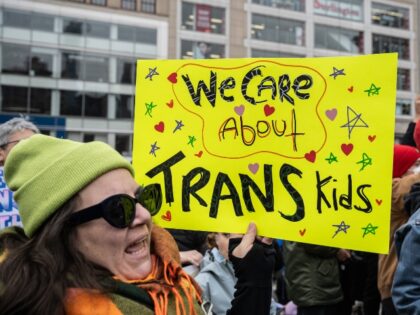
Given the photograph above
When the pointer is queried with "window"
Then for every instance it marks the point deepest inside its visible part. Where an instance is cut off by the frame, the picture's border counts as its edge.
(203, 18)
(41, 63)
(40, 101)
(14, 99)
(42, 22)
(403, 79)
(97, 29)
(125, 71)
(341, 9)
(145, 35)
(28, 20)
(71, 65)
(201, 50)
(15, 59)
(96, 68)
(96, 104)
(277, 30)
(390, 16)
(334, 38)
(384, 44)
(137, 34)
(148, 6)
(257, 53)
(295, 5)
(128, 4)
(403, 107)
(123, 144)
(16, 19)
(71, 103)
(73, 26)
(125, 104)
(99, 2)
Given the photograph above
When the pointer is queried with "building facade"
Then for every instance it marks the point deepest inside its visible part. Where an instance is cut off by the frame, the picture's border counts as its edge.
(70, 65)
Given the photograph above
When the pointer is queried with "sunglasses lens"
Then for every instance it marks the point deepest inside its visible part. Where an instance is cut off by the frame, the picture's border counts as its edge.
(150, 197)
(120, 211)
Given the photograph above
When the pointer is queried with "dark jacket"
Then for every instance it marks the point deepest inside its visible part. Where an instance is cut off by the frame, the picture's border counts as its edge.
(312, 274)
(406, 286)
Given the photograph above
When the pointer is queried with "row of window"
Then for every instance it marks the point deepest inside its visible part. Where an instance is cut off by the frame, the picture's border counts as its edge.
(146, 6)
(36, 61)
(73, 26)
(210, 19)
(381, 14)
(29, 100)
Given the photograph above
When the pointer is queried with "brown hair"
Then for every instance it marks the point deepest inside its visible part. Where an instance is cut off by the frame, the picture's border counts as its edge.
(37, 271)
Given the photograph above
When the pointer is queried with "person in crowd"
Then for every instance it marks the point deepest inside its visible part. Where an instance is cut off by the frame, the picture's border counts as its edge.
(11, 132)
(192, 246)
(405, 173)
(411, 133)
(312, 277)
(88, 245)
(406, 285)
(216, 276)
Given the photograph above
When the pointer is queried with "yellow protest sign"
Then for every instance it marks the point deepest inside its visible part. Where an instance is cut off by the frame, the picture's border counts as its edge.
(302, 147)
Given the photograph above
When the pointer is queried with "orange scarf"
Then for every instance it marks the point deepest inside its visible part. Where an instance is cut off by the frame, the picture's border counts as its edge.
(167, 277)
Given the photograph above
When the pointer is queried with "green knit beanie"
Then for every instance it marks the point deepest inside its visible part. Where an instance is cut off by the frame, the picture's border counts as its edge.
(45, 172)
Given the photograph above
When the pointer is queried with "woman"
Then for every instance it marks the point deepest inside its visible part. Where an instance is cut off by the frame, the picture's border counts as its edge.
(89, 246)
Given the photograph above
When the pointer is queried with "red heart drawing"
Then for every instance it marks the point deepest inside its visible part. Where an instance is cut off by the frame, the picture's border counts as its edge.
(302, 232)
(350, 89)
(268, 110)
(167, 216)
(379, 201)
(199, 154)
(372, 138)
(160, 126)
(170, 104)
(347, 148)
(311, 156)
(173, 77)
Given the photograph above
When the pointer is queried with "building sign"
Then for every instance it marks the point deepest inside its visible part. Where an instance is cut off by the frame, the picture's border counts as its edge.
(339, 9)
(302, 147)
(203, 16)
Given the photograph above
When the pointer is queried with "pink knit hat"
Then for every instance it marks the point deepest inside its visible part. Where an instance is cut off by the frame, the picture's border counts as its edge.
(404, 157)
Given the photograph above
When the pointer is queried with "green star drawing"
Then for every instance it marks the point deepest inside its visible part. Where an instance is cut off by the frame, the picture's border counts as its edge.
(373, 90)
(365, 161)
(369, 229)
(149, 108)
(331, 158)
(191, 140)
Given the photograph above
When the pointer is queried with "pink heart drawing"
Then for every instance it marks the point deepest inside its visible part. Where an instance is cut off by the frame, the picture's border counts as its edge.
(253, 167)
(239, 109)
(331, 113)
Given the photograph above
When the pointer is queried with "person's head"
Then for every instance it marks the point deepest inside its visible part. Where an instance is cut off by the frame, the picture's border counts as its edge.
(11, 132)
(104, 220)
(406, 160)
(219, 241)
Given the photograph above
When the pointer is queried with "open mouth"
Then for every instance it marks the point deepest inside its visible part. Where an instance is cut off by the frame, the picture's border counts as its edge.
(137, 246)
